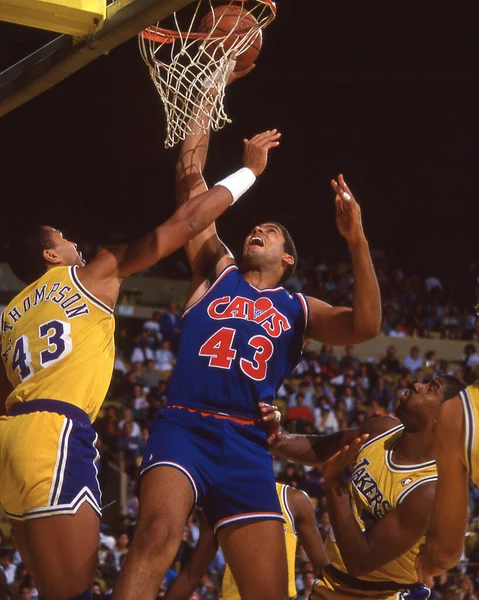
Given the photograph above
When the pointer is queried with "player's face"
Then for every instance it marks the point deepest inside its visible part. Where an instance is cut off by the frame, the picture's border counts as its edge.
(66, 250)
(421, 402)
(264, 246)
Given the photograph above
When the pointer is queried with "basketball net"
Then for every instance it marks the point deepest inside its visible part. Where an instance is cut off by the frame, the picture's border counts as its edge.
(190, 69)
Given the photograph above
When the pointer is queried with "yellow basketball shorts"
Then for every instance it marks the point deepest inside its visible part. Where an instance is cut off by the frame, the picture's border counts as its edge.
(47, 460)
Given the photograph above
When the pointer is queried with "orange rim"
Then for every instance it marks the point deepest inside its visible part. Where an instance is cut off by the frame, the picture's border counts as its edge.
(168, 36)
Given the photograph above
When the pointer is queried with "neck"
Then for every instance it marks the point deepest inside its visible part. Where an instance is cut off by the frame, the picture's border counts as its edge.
(414, 447)
(261, 279)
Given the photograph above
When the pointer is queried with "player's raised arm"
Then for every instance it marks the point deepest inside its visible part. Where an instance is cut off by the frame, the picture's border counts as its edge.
(104, 274)
(447, 530)
(206, 253)
(339, 325)
(316, 449)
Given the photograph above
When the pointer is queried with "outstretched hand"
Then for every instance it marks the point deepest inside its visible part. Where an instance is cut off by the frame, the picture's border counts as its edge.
(256, 150)
(348, 212)
(335, 466)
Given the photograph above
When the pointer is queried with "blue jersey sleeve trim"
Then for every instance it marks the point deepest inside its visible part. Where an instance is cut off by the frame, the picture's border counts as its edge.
(224, 272)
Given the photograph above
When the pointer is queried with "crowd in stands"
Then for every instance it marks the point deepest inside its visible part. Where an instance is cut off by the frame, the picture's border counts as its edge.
(413, 305)
(324, 394)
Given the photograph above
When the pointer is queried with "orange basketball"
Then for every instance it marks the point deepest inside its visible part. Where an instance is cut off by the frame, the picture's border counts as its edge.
(233, 19)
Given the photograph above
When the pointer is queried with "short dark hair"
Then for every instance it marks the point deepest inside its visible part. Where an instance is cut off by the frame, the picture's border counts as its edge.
(26, 252)
(289, 248)
(453, 386)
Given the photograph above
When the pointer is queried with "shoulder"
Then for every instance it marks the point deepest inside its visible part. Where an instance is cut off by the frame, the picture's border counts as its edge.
(378, 425)
(419, 496)
(299, 502)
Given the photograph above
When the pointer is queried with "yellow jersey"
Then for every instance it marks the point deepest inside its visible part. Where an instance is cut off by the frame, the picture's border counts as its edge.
(470, 404)
(57, 342)
(229, 589)
(377, 486)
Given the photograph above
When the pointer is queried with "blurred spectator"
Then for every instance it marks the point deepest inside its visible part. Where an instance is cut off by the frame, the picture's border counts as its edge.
(324, 526)
(432, 283)
(413, 361)
(127, 417)
(138, 402)
(390, 361)
(165, 358)
(143, 350)
(307, 589)
(300, 415)
(132, 447)
(152, 327)
(7, 565)
(304, 389)
(170, 324)
(151, 376)
(325, 421)
(349, 361)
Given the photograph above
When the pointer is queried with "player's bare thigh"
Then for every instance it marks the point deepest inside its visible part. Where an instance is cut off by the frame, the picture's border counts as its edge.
(256, 554)
(57, 545)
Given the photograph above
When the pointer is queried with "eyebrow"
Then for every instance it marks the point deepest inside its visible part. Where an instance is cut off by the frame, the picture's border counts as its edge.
(271, 226)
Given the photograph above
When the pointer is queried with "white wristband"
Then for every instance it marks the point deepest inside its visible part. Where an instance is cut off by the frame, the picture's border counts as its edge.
(238, 183)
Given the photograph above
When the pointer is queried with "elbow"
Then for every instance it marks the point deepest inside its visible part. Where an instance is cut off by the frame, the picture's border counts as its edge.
(447, 555)
(366, 332)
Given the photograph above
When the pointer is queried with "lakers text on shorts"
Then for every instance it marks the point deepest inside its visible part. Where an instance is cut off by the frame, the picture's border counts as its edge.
(47, 460)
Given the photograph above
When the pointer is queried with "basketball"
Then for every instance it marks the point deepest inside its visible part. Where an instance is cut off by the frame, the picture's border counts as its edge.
(233, 19)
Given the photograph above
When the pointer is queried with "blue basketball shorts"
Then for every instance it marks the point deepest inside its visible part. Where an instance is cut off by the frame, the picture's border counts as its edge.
(227, 462)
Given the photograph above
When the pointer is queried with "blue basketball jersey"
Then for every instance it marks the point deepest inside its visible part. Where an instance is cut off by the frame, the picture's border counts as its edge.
(238, 344)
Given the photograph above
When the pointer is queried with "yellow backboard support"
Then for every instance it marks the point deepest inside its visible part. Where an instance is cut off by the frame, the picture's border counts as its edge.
(65, 55)
(78, 18)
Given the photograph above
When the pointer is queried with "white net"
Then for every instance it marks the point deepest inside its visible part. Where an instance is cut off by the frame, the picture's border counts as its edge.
(190, 67)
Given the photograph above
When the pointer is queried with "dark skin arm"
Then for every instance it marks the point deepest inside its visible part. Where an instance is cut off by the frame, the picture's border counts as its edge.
(200, 559)
(305, 524)
(342, 326)
(104, 275)
(394, 534)
(447, 530)
(315, 449)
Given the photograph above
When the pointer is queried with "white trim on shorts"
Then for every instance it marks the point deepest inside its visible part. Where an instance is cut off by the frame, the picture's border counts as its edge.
(166, 463)
(84, 495)
(263, 516)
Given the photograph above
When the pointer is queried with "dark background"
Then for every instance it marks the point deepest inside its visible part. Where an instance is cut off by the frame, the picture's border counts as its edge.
(389, 97)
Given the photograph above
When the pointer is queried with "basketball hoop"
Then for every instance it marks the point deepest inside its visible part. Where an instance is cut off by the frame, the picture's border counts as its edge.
(190, 68)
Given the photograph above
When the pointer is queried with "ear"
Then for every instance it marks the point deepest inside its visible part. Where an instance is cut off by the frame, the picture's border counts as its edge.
(51, 256)
(288, 259)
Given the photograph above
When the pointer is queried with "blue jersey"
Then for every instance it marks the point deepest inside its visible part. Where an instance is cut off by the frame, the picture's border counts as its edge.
(238, 344)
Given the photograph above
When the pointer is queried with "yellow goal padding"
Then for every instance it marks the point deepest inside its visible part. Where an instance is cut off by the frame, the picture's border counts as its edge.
(79, 18)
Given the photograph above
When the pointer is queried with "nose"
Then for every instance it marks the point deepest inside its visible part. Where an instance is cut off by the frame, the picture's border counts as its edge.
(417, 387)
(258, 229)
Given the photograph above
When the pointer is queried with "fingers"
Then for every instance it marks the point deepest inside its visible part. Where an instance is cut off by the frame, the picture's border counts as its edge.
(354, 447)
(266, 137)
(269, 412)
(342, 190)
